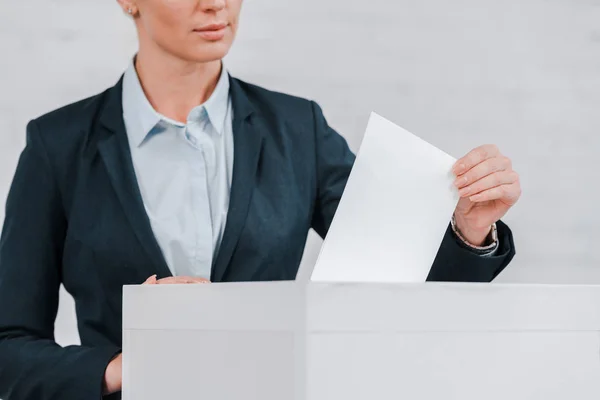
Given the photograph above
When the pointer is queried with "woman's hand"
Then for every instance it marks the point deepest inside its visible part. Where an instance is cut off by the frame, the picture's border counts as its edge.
(174, 280)
(113, 376)
(488, 188)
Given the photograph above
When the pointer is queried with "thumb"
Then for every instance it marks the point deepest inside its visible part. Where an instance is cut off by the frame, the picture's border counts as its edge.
(150, 281)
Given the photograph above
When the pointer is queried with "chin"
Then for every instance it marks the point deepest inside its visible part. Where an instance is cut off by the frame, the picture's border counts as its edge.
(209, 52)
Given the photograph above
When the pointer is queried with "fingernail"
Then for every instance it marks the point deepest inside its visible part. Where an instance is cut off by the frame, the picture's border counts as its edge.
(475, 197)
(462, 181)
(464, 191)
(458, 168)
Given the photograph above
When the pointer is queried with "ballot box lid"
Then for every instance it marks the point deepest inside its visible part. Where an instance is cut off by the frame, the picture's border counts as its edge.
(363, 307)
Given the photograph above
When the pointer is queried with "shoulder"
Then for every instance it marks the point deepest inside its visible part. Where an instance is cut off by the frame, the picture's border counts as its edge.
(63, 131)
(70, 118)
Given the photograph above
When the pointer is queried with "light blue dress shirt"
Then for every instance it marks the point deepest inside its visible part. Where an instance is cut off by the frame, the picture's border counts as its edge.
(184, 173)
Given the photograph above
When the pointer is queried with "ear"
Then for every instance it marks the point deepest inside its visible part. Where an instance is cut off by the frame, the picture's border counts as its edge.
(128, 6)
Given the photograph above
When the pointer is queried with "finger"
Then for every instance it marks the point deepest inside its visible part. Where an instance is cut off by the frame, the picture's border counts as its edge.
(150, 281)
(489, 182)
(169, 280)
(173, 280)
(193, 279)
(482, 170)
(475, 157)
(508, 193)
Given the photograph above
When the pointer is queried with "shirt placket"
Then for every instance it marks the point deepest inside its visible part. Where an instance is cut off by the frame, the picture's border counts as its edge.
(203, 252)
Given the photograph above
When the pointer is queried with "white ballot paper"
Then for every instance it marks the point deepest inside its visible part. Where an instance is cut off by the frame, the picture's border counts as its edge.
(394, 211)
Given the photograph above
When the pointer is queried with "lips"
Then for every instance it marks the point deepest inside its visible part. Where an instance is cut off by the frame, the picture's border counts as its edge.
(212, 32)
(211, 28)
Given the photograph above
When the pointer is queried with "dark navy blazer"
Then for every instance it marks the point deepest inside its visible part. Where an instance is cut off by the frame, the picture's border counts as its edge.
(74, 215)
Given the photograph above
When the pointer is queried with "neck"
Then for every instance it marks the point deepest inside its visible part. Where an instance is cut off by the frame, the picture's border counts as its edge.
(174, 86)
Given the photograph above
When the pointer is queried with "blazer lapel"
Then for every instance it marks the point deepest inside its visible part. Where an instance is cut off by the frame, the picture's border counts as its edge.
(114, 150)
(248, 129)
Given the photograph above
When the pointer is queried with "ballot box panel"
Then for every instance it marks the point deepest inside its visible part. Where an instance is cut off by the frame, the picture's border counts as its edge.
(216, 365)
(454, 366)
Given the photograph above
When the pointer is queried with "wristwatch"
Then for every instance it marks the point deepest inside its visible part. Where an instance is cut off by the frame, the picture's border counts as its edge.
(493, 238)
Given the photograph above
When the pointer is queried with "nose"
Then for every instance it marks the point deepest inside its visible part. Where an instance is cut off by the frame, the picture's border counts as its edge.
(213, 5)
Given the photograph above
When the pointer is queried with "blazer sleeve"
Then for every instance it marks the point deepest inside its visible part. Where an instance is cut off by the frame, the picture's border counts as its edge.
(456, 263)
(33, 366)
(334, 161)
(453, 262)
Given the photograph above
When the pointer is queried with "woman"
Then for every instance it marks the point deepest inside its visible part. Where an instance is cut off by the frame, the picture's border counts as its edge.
(183, 174)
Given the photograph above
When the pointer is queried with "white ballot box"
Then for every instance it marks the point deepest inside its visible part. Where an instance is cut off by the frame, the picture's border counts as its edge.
(319, 341)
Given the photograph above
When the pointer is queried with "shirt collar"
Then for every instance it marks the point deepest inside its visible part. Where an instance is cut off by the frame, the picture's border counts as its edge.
(141, 117)
(217, 104)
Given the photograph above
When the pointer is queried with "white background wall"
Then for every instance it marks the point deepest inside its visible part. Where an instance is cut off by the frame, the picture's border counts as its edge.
(524, 74)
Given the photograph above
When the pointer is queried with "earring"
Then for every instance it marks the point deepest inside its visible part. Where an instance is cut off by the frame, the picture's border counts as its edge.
(130, 11)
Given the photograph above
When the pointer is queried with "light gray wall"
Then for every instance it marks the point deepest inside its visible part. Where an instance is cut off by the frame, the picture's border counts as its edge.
(524, 74)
